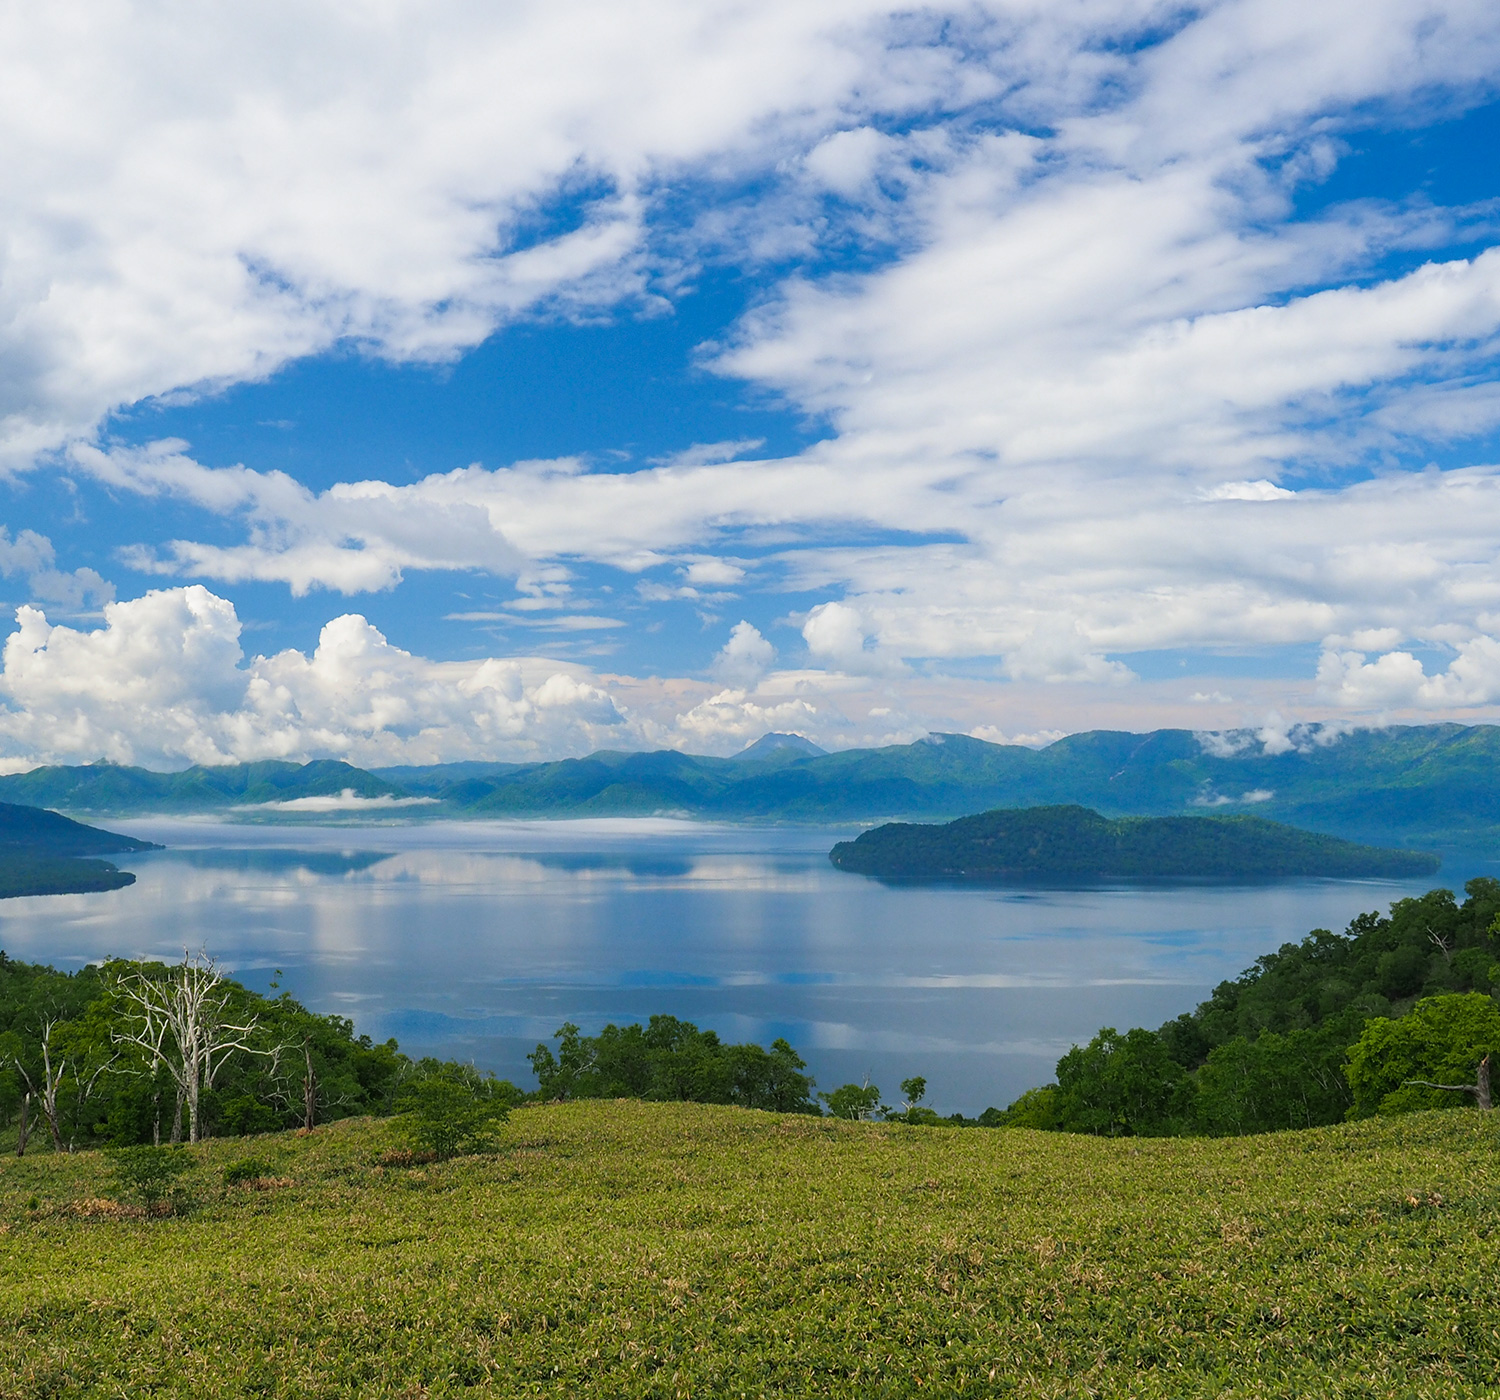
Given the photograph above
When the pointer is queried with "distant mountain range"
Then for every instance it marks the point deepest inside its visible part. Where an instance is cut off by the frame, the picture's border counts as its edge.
(1426, 785)
(1075, 845)
(44, 853)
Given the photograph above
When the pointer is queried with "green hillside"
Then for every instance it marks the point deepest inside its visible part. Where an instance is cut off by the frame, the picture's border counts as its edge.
(617, 1249)
(1424, 784)
(1074, 843)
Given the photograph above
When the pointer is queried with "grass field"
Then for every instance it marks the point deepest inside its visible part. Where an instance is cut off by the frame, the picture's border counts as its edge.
(629, 1249)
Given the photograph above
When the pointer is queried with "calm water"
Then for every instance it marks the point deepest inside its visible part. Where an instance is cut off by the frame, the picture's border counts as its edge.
(479, 939)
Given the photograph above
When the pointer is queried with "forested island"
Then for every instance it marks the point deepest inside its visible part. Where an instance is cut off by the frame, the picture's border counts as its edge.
(42, 852)
(1072, 843)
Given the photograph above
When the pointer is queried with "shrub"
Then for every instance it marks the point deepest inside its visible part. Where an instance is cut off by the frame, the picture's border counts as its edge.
(150, 1175)
(246, 1169)
(450, 1115)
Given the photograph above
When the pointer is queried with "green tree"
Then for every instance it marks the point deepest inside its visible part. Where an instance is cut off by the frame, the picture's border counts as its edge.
(855, 1102)
(1036, 1108)
(1120, 1085)
(1400, 1066)
(670, 1060)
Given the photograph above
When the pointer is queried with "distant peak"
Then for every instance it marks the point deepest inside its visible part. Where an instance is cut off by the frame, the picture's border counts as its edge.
(779, 743)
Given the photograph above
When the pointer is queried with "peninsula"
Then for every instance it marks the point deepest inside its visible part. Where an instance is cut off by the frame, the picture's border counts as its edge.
(42, 852)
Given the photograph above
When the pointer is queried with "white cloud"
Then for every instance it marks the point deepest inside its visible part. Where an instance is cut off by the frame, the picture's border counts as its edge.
(847, 161)
(745, 657)
(346, 801)
(725, 722)
(191, 199)
(1261, 490)
(835, 632)
(32, 556)
(1398, 680)
(992, 735)
(839, 636)
(1098, 393)
(165, 681)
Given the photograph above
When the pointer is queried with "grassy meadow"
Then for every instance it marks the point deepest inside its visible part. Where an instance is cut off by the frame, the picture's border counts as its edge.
(632, 1249)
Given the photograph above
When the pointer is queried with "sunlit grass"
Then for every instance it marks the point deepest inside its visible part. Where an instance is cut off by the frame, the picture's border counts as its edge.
(623, 1249)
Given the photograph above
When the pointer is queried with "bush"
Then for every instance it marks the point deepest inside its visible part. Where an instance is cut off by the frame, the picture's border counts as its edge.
(247, 1169)
(150, 1175)
(450, 1116)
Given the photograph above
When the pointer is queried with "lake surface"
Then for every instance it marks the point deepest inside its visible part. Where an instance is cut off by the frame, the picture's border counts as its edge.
(477, 939)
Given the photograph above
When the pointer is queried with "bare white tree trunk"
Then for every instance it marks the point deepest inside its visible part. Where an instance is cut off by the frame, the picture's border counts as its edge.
(180, 1022)
(46, 1091)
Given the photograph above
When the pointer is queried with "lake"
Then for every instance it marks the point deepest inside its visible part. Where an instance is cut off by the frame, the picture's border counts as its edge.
(477, 939)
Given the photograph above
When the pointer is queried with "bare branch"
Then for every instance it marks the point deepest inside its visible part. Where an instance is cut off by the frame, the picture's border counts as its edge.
(179, 1022)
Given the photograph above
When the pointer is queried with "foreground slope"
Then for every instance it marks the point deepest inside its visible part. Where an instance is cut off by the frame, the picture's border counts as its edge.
(628, 1249)
(1072, 843)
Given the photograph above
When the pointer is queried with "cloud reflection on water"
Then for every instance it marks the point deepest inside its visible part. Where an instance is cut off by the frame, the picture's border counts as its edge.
(481, 939)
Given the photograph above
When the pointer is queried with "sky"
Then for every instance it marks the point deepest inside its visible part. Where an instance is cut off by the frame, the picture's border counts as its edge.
(410, 383)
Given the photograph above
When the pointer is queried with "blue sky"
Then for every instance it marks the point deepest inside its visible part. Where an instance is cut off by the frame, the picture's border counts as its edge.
(435, 382)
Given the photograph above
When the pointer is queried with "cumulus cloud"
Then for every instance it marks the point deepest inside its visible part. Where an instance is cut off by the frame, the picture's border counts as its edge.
(725, 722)
(838, 636)
(745, 657)
(165, 681)
(405, 177)
(32, 556)
(1397, 680)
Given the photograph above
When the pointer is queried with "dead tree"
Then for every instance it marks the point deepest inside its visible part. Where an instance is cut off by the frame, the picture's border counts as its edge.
(309, 1089)
(24, 1135)
(181, 1022)
(45, 1090)
(1480, 1088)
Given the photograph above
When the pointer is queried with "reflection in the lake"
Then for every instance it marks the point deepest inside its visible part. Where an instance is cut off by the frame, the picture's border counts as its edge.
(479, 939)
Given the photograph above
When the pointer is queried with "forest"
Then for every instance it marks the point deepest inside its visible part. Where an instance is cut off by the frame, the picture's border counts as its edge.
(1337, 1026)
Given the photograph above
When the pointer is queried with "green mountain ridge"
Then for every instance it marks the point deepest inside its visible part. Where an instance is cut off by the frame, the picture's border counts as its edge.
(1428, 785)
(1072, 843)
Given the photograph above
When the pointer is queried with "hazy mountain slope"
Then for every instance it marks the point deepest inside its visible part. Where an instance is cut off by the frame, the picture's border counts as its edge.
(109, 787)
(1430, 784)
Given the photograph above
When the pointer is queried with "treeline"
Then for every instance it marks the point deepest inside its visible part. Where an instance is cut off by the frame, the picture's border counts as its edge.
(127, 1053)
(672, 1061)
(1397, 1013)
(1337, 1026)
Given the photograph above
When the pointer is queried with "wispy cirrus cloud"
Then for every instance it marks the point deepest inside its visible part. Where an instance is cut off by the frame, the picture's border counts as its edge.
(1094, 371)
